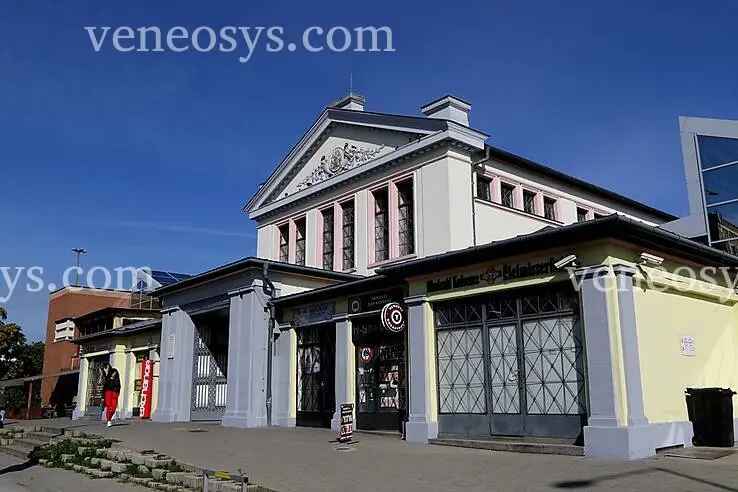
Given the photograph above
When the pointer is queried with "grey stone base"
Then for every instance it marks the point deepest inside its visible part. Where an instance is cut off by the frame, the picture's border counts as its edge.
(637, 441)
(420, 432)
(243, 420)
(77, 414)
(163, 416)
(285, 422)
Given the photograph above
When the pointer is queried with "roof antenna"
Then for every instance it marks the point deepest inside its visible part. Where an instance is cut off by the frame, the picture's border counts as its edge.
(351, 82)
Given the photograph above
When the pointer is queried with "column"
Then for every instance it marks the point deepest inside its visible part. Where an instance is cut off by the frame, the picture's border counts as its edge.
(247, 358)
(609, 327)
(345, 370)
(284, 380)
(118, 359)
(175, 367)
(79, 409)
(126, 399)
(423, 416)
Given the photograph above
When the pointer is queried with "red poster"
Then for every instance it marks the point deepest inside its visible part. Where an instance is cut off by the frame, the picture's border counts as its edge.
(147, 387)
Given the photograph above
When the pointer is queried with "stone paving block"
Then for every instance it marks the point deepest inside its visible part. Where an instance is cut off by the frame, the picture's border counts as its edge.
(104, 464)
(136, 458)
(156, 462)
(117, 467)
(123, 477)
(69, 465)
(67, 457)
(82, 450)
(143, 470)
(77, 468)
(93, 461)
(140, 481)
(159, 474)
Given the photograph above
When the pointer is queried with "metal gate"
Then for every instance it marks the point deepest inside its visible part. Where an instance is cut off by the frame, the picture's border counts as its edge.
(209, 373)
(95, 380)
(316, 352)
(511, 364)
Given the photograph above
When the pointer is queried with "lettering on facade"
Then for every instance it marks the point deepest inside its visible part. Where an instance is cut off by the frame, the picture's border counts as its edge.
(374, 301)
(313, 313)
(493, 275)
(346, 429)
(147, 386)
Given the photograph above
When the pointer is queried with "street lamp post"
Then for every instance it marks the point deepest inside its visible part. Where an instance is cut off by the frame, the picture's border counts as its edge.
(78, 252)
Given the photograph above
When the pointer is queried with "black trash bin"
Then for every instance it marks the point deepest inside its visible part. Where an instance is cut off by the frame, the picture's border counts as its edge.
(711, 412)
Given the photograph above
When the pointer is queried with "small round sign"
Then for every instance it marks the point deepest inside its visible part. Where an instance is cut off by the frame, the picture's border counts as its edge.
(366, 354)
(393, 317)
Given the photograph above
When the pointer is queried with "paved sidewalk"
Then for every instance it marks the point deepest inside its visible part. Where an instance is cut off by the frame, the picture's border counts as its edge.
(304, 460)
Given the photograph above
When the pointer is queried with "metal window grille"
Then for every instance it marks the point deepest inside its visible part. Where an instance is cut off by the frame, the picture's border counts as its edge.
(405, 217)
(483, 188)
(507, 195)
(381, 226)
(328, 239)
(284, 243)
(348, 235)
(529, 202)
(549, 208)
(300, 242)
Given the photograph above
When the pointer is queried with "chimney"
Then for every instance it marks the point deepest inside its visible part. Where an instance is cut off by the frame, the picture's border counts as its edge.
(448, 108)
(352, 101)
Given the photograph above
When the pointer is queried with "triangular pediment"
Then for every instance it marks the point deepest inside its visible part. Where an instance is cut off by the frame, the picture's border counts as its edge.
(336, 145)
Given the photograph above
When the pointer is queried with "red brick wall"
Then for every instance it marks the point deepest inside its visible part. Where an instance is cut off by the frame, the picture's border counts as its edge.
(68, 303)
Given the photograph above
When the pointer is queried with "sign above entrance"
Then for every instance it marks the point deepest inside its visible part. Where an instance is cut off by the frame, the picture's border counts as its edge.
(493, 275)
(374, 301)
(393, 317)
(314, 313)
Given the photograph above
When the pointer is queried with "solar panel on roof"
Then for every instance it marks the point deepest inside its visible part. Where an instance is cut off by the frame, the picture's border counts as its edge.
(166, 278)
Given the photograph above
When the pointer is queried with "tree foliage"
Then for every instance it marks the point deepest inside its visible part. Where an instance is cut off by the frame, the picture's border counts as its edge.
(18, 358)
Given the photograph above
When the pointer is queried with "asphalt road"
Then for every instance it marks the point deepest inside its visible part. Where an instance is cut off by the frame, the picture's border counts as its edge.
(40, 479)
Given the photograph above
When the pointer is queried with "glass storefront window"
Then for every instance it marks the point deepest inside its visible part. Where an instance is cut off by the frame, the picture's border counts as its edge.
(716, 151)
(721, 184)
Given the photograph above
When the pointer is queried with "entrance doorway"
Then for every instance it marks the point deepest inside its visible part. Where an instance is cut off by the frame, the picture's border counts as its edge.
(381, 382)
(210, 365)
(511, 364)
(316, 375)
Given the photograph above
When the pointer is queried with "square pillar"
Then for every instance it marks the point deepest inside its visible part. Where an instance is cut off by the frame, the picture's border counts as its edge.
(81, 406)
(119, 360)
(175, 367)
(617, 427)
(423, 415)
(247, 358)
(345, 370)
(284, 380)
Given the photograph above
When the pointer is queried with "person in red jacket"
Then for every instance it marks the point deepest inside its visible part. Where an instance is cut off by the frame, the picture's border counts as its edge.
(111, 390)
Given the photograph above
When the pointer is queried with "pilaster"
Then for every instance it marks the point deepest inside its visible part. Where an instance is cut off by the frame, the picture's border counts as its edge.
(423, 416)
(345, 369)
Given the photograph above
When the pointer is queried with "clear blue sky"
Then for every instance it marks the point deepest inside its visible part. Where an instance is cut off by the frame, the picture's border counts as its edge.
(146, 159)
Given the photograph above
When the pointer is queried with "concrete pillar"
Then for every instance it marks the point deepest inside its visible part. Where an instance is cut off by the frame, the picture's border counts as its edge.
(118, 360)
(612, 350)
(79, 409)
(423, 415)
(126, 401)
(247, 358)
(345, 370)
(175, 369)
(284, 380)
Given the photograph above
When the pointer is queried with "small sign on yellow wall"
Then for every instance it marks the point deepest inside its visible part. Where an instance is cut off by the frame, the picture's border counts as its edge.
(687, 347)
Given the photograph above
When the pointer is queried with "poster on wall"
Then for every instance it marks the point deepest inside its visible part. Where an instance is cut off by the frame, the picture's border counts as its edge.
(147, 386)
(346, 428)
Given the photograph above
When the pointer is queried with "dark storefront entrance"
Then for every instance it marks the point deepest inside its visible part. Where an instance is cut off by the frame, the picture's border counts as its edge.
(381, 380)
(95, 380)
(316, 374)
(210, 365)
(511, 364)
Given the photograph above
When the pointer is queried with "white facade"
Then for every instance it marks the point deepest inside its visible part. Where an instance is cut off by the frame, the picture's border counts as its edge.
(444, 160)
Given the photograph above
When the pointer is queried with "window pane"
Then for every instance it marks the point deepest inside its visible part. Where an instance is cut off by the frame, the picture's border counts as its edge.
(284, 243)
(300, 242)
(328, 239)
(507, 195)
(483, 188)
(549, 208)
(381, 226)
(405, 218)
(581, 214)
(348, 235)
(723, 221)
(715, 151)
(529, 201)
(721, 184)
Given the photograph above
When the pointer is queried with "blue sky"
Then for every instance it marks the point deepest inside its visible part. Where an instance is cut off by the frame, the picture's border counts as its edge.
(147, 158)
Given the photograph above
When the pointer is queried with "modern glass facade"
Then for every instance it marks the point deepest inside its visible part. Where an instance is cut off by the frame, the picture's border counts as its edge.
(719, 171)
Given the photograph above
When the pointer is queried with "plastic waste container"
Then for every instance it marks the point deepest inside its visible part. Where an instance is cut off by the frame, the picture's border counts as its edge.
(711, 412)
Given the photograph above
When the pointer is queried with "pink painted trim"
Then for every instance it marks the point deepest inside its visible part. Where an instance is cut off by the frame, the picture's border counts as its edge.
(293, 241)
(370, 226)
(338, 237)
(394, 220)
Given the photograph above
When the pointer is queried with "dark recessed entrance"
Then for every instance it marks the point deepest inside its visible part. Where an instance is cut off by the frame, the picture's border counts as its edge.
(381, 382)
(316, 375)
(210, 365)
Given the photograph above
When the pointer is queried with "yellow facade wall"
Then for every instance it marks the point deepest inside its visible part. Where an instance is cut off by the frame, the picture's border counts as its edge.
(663, 318)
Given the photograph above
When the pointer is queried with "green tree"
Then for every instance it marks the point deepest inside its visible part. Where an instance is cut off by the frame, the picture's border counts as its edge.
(18, 359)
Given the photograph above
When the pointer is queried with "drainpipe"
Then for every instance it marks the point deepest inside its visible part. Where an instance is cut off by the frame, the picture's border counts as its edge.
(476, 165)
(268, 288)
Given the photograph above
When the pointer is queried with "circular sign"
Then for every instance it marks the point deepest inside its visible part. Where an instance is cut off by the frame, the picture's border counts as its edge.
(393, 317)
(366, 354)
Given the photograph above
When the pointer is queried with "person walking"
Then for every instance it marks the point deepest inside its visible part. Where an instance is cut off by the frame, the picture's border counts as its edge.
(111, 390)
